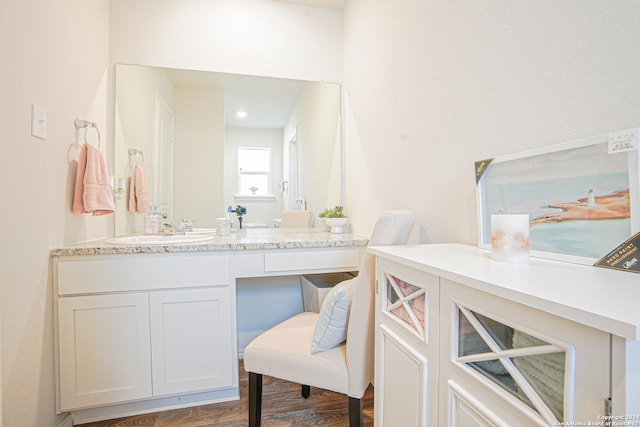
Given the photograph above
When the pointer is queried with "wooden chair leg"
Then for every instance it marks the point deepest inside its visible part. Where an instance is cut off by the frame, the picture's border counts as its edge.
(306, 391)
(355, 412)
(255, 399)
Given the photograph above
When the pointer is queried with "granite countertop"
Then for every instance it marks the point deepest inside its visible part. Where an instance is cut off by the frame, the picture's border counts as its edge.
(252, 239)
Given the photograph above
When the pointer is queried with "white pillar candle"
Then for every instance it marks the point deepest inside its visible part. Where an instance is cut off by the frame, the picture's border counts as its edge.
(510, 237)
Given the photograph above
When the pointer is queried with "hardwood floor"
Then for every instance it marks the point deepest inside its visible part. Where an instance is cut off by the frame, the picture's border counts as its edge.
(282, 406)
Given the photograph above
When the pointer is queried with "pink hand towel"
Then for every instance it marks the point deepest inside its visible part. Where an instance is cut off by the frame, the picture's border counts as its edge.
(139, 191)
(92, 194)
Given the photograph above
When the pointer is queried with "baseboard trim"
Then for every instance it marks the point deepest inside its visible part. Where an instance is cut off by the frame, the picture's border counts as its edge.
(101, 413)
(67, 421)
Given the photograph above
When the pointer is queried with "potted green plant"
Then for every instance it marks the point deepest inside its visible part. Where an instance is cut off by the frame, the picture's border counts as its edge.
(335, 218)
(337, 212)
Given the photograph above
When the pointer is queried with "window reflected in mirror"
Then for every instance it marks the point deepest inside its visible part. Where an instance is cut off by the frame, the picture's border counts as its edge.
(254, 171)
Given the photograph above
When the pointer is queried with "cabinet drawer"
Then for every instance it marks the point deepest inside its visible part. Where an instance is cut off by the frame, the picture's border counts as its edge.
(97, 274)
(311, 260)
(293, 261)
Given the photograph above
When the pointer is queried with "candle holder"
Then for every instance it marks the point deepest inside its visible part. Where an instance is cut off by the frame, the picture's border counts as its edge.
(510, 238)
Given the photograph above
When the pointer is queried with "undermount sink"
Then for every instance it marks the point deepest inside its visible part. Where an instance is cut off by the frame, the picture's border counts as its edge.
(201, 231)
(160, 240)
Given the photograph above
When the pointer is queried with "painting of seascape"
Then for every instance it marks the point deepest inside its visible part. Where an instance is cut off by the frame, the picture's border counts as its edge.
(577, 198)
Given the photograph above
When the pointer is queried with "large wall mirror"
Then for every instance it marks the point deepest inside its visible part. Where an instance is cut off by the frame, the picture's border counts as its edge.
(185, 130)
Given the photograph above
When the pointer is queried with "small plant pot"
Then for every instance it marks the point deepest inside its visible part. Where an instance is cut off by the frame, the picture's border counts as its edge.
(337, 224)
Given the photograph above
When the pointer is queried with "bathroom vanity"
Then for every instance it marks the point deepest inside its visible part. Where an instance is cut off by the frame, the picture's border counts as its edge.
(144, 327)
(464, 340)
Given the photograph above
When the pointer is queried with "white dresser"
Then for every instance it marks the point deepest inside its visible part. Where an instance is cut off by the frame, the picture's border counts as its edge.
(463, 340)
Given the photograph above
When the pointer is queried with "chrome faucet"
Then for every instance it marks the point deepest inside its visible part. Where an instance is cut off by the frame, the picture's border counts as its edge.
(184, 226)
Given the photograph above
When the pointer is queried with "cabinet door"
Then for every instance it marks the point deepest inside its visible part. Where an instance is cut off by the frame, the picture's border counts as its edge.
(503, 363)
(104, 349)
(401, 383)
(406, 346)
(192, 340)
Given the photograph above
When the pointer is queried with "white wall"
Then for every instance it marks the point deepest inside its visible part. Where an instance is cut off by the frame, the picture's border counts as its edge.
(54, 54)
(265, 38)
(199, 152)
(431, 86)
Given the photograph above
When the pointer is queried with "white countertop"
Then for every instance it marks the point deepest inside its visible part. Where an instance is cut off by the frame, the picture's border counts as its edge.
(605, 299)
(253, 239)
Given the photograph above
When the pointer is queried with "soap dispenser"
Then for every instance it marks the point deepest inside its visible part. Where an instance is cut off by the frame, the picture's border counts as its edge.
(152, 221)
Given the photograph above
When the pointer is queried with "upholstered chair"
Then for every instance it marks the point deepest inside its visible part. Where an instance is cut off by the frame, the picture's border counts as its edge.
(310, 348)
(296, 219)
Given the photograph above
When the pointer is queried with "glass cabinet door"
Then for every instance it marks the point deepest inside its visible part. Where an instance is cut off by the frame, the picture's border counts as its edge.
(527, 367)
(405, 303)
(511, 364)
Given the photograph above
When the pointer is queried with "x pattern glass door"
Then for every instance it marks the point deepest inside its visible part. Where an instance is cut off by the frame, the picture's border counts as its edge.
(406, 303)
(529, 368)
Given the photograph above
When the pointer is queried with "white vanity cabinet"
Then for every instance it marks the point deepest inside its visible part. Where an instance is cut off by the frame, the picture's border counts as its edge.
(141, 327)
(463, 340)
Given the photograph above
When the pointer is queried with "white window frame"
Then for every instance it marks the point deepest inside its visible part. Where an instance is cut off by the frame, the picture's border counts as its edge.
(269, 174)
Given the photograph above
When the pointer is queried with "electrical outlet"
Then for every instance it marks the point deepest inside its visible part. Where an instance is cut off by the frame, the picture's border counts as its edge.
(38, 121)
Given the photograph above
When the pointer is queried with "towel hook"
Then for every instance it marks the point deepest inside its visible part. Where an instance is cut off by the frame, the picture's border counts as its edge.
(136, 153)
(79, 124)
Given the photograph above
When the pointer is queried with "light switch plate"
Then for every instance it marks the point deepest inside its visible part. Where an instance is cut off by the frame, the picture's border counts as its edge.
(38, 121)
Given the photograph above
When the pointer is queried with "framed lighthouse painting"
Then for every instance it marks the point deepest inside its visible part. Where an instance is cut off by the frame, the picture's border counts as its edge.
(581, 196)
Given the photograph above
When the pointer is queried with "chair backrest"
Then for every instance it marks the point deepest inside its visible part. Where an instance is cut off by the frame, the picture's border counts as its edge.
(391, 228)
(296, 219)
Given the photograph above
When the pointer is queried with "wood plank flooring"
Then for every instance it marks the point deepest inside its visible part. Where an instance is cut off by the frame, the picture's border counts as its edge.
(282, 406)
